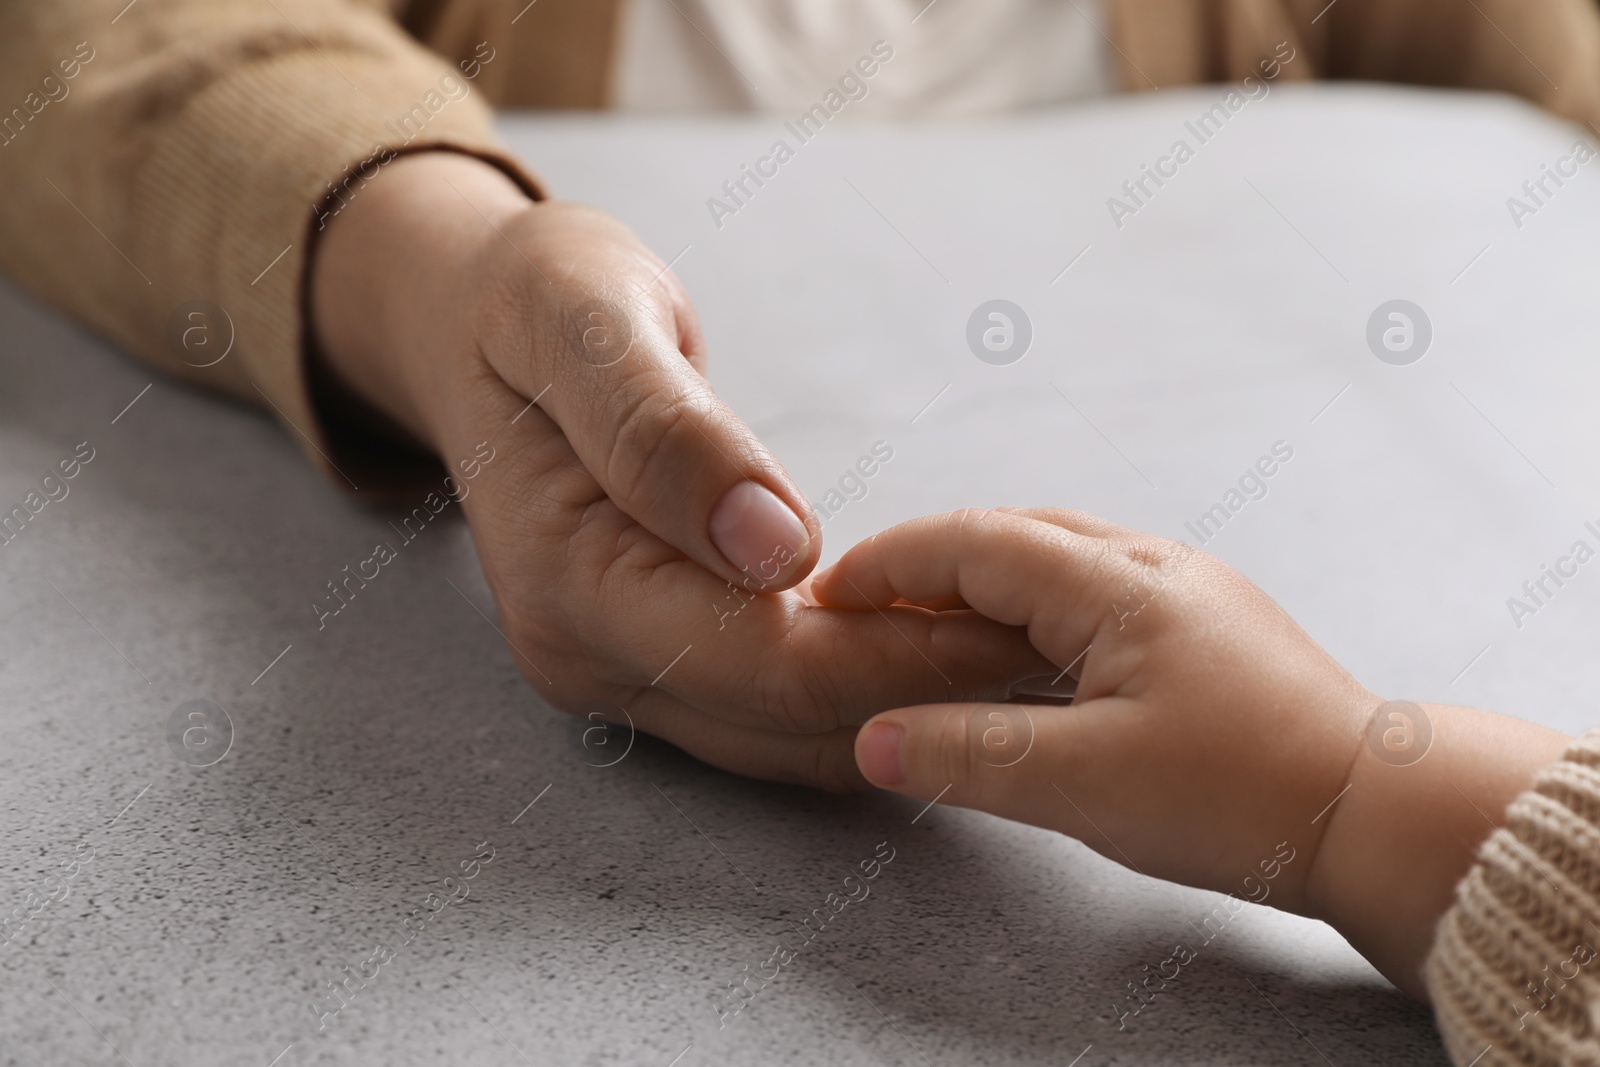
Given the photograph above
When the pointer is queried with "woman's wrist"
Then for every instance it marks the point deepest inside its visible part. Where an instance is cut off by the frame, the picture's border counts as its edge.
(393, 274)
(1408, 826)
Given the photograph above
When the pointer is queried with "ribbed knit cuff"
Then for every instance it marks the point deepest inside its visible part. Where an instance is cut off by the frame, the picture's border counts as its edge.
(1515, 967)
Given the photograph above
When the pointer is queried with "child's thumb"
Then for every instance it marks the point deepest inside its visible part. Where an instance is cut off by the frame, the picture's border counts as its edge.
(969, 755)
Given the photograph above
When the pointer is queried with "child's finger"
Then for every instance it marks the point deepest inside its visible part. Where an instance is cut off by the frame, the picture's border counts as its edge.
(1010, 567)
(943, 603)
(999, 758)
(1081, 522)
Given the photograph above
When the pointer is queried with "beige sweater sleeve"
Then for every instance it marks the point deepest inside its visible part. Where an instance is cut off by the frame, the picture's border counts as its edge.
(1515, 967)
(161, 153)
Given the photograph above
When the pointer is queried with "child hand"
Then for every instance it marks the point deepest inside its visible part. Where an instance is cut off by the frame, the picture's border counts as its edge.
(1206, 728)
(1209, 738)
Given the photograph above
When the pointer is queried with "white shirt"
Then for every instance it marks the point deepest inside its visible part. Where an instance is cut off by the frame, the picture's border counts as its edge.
(950, 57)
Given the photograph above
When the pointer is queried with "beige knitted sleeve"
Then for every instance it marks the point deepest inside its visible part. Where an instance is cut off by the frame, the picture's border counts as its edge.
(1515, 967)
(163, 162)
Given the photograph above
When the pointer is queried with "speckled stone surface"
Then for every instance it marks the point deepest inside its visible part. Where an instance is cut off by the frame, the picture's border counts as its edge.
(376, 756)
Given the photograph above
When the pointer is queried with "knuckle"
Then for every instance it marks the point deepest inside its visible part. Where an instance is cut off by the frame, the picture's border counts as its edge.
(1154, 564)
(599, 331)
(651, 433)
(1084, 523)
(957, 760)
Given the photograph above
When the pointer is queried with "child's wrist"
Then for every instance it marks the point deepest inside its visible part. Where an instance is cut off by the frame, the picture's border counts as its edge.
(1408, 827)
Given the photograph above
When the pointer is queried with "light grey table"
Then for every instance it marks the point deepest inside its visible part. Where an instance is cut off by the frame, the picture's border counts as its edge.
(367, 761)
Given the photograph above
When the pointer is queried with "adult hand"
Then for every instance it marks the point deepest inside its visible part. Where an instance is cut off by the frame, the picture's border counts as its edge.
(636, 535)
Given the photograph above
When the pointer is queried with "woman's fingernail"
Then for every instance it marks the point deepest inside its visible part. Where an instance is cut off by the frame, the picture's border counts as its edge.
(758, 534)
(878, 754)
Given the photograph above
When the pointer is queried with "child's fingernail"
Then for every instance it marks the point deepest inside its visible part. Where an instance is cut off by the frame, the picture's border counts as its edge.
(822, 576)
(757, 533)
(878, 754)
